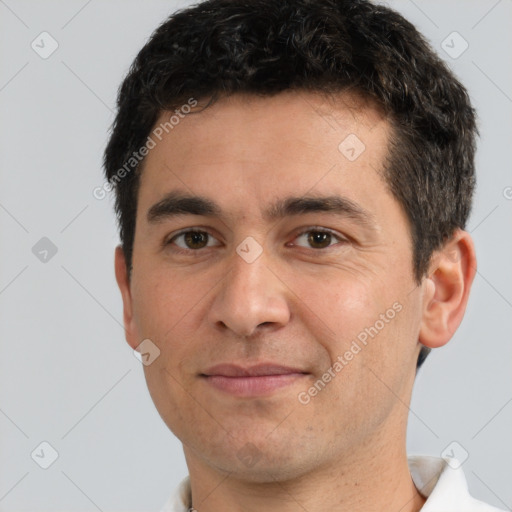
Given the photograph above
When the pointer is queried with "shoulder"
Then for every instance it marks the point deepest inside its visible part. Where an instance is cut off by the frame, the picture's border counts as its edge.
(181, 499)
(443, 483)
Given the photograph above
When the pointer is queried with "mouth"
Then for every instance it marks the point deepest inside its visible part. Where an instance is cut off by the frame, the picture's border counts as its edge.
(258, 380)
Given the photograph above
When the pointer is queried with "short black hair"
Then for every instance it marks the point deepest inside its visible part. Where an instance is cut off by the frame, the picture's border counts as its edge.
(217, 48)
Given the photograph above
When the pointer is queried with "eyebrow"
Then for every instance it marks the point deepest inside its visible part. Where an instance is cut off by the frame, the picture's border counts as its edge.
(176, 203)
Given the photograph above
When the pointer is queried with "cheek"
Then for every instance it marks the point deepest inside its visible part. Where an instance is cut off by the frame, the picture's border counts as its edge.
(162, 301)
(343, 306)
(369, 323)
(169, 395)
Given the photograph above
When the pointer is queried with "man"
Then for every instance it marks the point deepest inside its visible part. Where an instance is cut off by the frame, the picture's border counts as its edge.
(292, 184)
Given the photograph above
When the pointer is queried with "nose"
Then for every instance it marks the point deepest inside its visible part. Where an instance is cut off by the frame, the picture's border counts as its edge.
(250, 296)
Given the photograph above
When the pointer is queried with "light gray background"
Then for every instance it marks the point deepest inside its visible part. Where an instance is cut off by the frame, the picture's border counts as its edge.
(67, 375)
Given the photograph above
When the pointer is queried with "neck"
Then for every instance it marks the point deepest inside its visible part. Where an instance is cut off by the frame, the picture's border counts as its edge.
(372, 479)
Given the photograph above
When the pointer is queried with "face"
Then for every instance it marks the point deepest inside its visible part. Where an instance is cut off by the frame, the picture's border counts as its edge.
(287, 323)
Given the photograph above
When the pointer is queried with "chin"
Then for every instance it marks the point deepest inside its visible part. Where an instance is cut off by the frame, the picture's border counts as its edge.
(261, 461)
(263, 471)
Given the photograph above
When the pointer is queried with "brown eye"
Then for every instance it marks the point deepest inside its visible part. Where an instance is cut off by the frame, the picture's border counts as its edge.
(319, 239)
(191, 240)
(195, 239)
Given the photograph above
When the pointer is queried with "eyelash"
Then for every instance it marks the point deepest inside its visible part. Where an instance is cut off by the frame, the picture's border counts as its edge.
(311, 229)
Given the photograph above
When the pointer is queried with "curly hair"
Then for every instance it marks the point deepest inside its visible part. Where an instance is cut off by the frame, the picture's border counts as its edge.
(218, 48)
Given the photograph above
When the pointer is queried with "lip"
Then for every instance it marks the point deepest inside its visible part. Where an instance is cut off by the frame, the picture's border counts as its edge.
(257, 370)
(257, 380)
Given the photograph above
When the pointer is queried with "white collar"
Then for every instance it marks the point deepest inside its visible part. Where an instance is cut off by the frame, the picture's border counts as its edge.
(436, 479)
(443, 483)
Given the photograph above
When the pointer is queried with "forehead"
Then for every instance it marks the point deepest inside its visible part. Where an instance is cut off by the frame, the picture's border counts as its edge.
(262, 147)
(252, 119)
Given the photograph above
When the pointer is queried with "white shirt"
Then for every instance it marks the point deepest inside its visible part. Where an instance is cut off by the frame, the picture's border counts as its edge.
(444, 487)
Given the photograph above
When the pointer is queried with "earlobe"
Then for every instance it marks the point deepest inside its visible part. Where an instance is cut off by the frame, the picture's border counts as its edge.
(446, 290)
(123, 282)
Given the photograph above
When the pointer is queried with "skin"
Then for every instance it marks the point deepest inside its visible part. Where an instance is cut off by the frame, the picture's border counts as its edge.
(297, 304)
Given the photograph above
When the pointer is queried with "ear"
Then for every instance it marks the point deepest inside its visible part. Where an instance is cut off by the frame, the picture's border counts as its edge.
(446, 289)
(123, 282)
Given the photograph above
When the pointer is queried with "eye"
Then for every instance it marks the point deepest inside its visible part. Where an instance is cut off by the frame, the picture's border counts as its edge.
(191, 240)
(319, 238)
